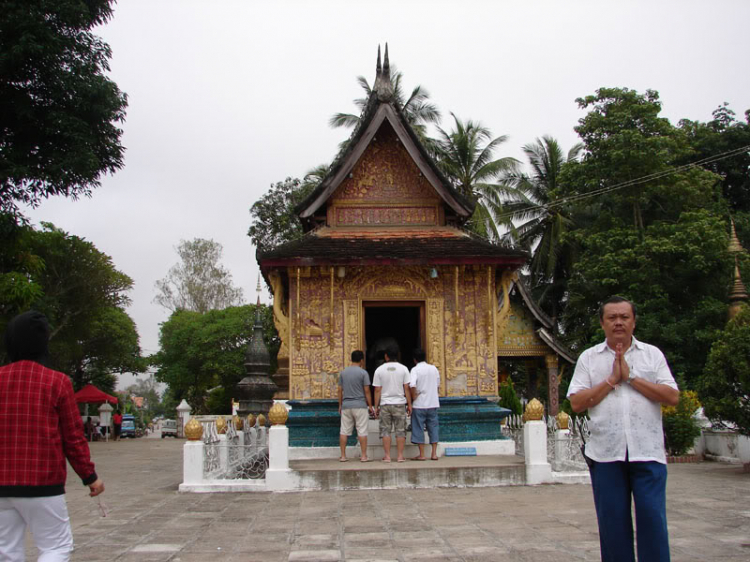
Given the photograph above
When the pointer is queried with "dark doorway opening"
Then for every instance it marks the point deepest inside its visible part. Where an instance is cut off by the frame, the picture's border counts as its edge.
(385, 322)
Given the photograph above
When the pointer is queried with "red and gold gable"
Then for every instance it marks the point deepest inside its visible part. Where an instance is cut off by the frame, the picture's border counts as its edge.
(385, 188)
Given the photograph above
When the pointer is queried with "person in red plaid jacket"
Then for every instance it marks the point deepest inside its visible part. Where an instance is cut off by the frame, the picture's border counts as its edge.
(40, 427)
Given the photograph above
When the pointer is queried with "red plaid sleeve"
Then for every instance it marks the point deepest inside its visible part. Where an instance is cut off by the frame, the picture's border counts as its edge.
(74, 441)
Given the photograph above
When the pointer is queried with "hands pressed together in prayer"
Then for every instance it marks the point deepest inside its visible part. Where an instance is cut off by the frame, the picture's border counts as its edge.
(620, 368)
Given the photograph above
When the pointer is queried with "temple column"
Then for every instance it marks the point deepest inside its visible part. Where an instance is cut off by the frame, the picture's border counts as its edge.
(553, 382)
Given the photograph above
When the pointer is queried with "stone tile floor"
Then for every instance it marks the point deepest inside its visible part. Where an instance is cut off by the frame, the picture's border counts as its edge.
(148, 520)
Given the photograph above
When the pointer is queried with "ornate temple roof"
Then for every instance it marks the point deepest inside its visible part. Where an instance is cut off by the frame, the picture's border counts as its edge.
(381, 107)
(392, 246)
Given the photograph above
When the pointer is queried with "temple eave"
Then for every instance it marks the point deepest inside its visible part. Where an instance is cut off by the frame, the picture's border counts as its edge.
(427, 261)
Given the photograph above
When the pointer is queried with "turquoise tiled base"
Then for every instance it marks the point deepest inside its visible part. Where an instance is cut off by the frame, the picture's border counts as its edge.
(316, 423)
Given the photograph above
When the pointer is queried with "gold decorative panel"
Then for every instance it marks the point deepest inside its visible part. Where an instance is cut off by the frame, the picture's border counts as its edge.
(516, 335)
(326, 323)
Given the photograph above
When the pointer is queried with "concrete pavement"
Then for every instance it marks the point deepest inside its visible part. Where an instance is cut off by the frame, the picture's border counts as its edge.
(148, 520)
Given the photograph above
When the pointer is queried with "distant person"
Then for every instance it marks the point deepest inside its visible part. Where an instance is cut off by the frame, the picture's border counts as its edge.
(392, 402)
(35, 446)
(424, 384)
(623, 382)
(117, 422)
(89, 428)
(354, 404)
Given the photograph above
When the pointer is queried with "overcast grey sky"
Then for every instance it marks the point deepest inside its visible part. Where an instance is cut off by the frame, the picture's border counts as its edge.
(229, 96)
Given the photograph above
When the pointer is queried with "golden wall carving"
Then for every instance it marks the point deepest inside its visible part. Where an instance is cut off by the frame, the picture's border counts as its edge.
(458, 338)
(516, 335)
(385, 173)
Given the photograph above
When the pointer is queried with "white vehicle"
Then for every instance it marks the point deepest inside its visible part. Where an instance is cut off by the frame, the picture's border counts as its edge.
(168, 427)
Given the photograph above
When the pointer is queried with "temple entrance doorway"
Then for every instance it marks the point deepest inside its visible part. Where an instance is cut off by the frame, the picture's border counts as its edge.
(385, 321)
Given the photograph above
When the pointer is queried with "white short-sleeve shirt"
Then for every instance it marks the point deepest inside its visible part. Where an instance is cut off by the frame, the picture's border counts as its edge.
(625, 422)
(391, 377)
(426, 379)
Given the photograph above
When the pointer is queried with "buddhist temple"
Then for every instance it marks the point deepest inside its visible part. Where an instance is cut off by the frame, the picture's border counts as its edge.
(385, 257)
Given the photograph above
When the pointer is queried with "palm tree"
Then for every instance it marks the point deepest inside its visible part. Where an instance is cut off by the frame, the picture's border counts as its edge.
(465, 155)
(417, 110)
(538, 219)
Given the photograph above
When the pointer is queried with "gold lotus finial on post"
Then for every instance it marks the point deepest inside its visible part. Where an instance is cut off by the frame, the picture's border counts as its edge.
(221, 425)
(278, 414)
(563, 420)
(534, 410)
(261, 420)
(193, 430)
(250, 420)
(237, 421)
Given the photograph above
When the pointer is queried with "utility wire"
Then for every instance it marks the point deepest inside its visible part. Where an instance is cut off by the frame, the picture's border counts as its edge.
(636, 181)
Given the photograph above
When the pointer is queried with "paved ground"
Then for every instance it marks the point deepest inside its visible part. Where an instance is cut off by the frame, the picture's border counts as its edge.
(709, 518)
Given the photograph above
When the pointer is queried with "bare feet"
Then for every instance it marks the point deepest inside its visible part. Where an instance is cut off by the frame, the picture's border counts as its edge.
(387, 459)
(434, 459)
(364, 459)
(342, 459)
(400, 460)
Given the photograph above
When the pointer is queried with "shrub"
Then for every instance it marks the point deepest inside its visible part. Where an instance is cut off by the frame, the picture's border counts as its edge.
(724, 385)
(508, 398)
(680, 427)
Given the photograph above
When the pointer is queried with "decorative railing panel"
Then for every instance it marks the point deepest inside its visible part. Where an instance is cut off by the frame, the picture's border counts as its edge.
(238, 456)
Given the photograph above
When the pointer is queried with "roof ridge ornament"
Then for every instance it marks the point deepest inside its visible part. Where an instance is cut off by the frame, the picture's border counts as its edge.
(383, 86)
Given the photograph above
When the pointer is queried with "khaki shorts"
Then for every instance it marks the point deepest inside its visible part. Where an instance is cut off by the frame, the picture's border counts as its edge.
(393, 418)
(354, 416)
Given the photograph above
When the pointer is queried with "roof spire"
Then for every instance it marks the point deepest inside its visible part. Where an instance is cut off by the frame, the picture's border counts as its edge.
(734, 242)
(383, 87)
(738, 296)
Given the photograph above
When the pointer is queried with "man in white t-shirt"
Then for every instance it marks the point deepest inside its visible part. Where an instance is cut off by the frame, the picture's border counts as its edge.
(424, 383)
(392, 402)
(623, 382)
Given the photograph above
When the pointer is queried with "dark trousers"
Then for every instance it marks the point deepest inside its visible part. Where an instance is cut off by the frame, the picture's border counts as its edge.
(614, 484)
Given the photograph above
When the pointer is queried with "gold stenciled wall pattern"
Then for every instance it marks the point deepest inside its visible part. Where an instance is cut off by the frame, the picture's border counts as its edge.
(327, 322)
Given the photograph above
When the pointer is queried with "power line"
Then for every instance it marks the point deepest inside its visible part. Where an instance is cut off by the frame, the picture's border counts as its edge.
(636, 181)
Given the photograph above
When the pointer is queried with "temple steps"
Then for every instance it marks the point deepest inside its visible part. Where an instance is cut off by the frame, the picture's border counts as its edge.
(478, 471)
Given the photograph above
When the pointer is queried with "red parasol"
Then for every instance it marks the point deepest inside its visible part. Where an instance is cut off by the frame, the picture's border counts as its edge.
(89, 394)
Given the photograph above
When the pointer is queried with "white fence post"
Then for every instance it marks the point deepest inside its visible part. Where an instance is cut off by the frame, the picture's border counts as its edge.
(278, 475)
(538, 470)
(192, 466)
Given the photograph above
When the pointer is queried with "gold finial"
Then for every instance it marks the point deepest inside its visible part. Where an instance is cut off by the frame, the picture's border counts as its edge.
(534, 410)
(261, 420)
(278, 414)
(237, 421)
(221, 425)
(193, 430)
(734, 243)
(250, 420)
(563, 420)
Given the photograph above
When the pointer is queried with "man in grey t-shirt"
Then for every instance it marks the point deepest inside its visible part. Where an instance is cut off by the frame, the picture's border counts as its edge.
(354, 403)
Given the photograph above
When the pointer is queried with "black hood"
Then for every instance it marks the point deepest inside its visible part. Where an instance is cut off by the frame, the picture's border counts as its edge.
(27, 337)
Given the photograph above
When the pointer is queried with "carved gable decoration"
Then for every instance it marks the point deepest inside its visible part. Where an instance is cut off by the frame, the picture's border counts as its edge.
(516, 335)
(385, 188)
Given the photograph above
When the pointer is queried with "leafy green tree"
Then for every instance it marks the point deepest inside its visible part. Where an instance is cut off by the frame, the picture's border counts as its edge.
(538, 219)
(83, 295)
(200, 352)
(724, 135)
(681, 429)
(19, 268)
(465, 155)
(198, 282)
(59, 124)
(274, 219)
(659, 236)
(724, 387)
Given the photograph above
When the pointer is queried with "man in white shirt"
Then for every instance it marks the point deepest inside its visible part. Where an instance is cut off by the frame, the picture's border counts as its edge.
(424, 383)
(622, 382)
(392, 402)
